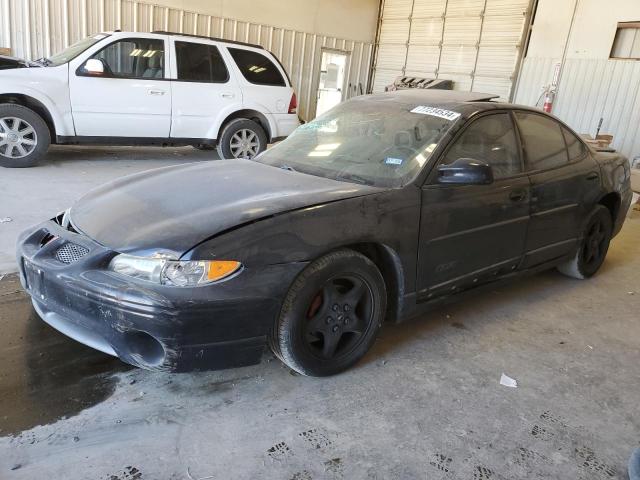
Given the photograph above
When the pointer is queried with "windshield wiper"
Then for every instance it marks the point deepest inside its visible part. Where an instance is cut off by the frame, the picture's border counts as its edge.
(45, 62)
(287, 167)
(354, 179)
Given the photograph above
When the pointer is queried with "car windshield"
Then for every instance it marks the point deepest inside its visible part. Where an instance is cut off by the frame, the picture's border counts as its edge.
(73, 51)
(373, 141)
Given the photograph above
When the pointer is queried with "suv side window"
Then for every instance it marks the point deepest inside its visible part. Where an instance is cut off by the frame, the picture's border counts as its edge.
(198, 62)
(542, 140)
(575, 147)
(133, 58)
(257, 68)
(492, 140)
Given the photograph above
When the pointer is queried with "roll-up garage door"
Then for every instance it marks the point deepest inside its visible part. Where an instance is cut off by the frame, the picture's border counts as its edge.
(475, 43)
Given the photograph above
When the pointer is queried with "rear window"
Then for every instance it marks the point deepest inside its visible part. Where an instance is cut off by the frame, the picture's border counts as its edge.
(257, 68)
(198, 62)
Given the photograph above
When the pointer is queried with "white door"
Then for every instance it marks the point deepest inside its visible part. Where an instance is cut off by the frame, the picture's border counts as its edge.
(131, 98)
(204, 90)
(331, 83)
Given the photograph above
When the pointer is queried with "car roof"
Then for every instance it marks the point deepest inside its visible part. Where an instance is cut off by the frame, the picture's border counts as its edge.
(432, 95)
(204, 37)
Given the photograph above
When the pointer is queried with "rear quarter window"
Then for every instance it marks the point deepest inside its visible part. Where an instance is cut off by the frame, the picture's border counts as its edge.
(257, 68)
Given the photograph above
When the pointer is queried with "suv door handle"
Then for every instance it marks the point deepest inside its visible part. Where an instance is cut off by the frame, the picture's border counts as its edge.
(518, 195)
(228, 95)
(593, 176)
(157, 92)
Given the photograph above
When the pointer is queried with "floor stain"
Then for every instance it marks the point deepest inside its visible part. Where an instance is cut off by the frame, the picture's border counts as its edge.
(44, 375)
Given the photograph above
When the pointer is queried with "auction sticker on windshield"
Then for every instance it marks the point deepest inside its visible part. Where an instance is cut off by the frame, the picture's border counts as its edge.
(437, 112)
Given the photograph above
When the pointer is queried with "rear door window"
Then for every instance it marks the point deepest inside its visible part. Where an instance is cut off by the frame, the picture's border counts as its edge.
(491, 140)
(199, 62)
(543, 141)
(257, 68)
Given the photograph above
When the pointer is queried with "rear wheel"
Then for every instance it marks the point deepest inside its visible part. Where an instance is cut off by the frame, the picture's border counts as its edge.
(24, 136)
(331, 314)
(241, 138)
(593, 246)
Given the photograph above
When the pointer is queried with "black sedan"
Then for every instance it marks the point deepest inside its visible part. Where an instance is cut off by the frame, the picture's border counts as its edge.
(382, 207)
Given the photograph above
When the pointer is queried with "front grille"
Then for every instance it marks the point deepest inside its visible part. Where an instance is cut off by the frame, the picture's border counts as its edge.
(70, 252)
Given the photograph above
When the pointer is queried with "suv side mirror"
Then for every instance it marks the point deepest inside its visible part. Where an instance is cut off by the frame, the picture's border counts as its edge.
(93, 66)
(466, 171)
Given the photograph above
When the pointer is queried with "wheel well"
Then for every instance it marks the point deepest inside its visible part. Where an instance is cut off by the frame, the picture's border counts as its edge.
(33, 104)
(390, 267)
(612, 202)
(254, 115)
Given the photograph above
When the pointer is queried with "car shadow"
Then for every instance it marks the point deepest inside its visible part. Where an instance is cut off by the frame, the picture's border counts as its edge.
(62, 154)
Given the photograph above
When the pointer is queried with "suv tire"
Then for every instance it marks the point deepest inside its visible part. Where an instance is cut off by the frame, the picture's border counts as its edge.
(24, 136)
(241, 138)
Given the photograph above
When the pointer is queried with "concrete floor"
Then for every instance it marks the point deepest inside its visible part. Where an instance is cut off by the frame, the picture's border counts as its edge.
(32, 195)
(426, 403)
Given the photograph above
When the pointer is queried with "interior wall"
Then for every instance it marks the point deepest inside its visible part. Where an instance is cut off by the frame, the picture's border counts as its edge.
(593, 31)
(350, 19)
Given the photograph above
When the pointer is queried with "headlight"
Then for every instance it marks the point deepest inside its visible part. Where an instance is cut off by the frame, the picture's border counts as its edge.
(173, 272)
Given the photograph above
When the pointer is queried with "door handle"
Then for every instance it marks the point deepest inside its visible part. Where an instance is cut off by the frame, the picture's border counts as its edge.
(593, 176)
(518, 195)
(157, 92)
(228, 95)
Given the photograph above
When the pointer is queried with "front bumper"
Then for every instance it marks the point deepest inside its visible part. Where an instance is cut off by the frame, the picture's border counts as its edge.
(150, 326)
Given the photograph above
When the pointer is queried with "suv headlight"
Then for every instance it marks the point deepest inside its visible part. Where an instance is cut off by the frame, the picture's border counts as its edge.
(175, 273)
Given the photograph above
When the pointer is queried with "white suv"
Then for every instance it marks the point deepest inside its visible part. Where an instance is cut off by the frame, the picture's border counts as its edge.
(155, 88)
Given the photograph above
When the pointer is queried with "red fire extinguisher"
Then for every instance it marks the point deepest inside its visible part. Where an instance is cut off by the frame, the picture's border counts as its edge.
(549, 96)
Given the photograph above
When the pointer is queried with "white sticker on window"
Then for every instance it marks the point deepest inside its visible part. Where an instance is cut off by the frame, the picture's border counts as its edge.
(393, 161)
(436, 112)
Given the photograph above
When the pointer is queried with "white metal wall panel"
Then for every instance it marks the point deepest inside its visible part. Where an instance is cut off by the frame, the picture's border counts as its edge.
(588, 91)
(37, 28)
(476, 43)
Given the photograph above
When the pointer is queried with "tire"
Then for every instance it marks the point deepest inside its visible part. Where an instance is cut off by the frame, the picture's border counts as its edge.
(24, 136)
(238, 131)
(331, 314)
(594, 244)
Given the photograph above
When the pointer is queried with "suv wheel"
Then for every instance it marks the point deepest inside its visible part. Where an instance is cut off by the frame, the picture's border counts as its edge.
(242, 138)
(24, 137)
(331, 315)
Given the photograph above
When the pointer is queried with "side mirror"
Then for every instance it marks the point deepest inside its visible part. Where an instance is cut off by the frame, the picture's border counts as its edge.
(466, 171)
(93, 66)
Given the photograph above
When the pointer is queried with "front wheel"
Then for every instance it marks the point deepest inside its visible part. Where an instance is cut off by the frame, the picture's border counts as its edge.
(331, 315)
(241, 138)
(24, 136)
(593, 246)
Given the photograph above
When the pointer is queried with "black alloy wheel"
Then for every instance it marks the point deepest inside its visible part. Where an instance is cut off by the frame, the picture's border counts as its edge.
(331, 314)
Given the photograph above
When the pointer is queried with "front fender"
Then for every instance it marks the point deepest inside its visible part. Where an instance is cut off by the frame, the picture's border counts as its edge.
(389, 219)
(47, 85)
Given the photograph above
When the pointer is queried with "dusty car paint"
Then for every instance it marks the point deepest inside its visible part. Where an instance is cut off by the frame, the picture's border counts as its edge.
(278, 222)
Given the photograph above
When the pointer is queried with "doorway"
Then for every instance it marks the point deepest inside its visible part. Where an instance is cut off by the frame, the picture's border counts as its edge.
(331, 83)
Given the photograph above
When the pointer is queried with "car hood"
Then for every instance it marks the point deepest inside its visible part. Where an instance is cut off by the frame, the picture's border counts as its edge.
(170, 210)
(7, 63)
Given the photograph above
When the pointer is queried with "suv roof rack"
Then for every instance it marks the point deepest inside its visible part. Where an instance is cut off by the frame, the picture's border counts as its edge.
(163, 32)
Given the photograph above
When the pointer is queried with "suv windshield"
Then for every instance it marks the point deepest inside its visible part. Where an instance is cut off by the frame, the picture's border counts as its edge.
(378, 142)
(73, 51)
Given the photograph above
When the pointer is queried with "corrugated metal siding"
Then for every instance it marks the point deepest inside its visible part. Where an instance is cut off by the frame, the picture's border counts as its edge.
(476, 43)
(37, 28)
(590, 90)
